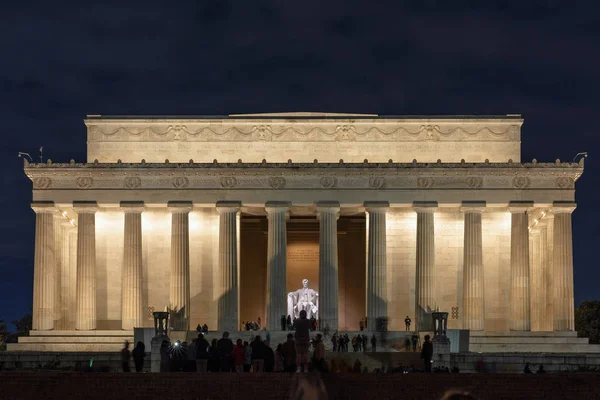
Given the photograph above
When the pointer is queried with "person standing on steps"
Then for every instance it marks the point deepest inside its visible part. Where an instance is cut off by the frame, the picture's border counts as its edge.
(125, 355)
(373, 343)
(427, 353)
(302, 337)
(138, 353)
(407, 322)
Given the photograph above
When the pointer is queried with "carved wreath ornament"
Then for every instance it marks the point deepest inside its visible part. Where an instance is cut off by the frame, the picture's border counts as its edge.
(328, 182)
(474, 182)
(133, 182)
(565, 182)
(228, 182)
(521, 182)
(84, 182)
(42, 183)
(377, 182)
(181, 182)
(425, 182)
(276, 182)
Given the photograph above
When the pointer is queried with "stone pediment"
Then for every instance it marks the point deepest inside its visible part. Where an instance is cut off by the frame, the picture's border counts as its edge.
(303, 137)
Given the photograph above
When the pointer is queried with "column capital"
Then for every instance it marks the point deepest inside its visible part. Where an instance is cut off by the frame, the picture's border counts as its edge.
(132, 206)
(472, 206)
(519, 206)
(425, 206)
(82, 207)
(176, 206)
(376, 206)
(43, 206)
(274, 206)
(67, 224)
(563, 207)
(228, 206)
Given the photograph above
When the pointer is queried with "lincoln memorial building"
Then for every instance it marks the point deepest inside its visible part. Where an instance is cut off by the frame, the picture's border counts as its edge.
(220, 218)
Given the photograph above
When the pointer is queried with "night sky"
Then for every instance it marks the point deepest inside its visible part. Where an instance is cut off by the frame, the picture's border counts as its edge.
(61, 62)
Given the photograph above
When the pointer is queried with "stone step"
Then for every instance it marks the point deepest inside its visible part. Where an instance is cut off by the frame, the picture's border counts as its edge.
(75, 339)
(527, 340)
(65, 347)
(533, 348)
(81, 333)
(522, 334)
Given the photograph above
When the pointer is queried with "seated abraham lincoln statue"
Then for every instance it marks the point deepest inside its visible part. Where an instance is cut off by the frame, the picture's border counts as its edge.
(303, 299)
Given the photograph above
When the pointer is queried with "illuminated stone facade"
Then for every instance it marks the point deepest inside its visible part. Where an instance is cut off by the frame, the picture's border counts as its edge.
(447, 210)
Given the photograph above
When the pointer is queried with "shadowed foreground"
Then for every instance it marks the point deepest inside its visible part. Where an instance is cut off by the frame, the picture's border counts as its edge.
(68, 385)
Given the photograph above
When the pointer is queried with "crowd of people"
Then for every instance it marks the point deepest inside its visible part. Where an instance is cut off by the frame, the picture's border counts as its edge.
(359, 342)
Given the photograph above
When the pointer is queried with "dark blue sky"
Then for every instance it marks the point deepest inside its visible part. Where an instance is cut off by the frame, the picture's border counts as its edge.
(60, 62)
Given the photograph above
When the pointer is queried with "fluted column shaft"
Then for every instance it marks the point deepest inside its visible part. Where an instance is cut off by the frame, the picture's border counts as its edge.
(44, 266)
(376, 262)
(86, 265)
(68, 274)
(59, 319)
(564, 307)
(473, 304)
(425, 268)
(328, 213)
(536, 291)
(228, 265)
(550, 272)
(277, 213)
(131, 282)
(545, 279)
(520, 317)
(179, 290)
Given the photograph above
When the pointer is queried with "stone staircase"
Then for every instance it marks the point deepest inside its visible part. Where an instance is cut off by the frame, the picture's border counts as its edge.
(73, 341)
(532, 342)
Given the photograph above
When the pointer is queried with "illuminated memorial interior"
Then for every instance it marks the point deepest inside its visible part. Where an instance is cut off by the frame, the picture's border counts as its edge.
(220, 218)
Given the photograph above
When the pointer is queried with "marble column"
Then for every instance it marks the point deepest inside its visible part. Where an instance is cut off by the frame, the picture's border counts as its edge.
(59, 318)
(277, 214)
(550, 272)
(545, 278)
(564, 307)
(425, 263)
(327, 213)
(68, 274)
(473, 304)
(228, 265)
(86, 264)
(131, 282)
(376, 262)
(520, 317)
(44, 266)
(536, 291)
(179, 292)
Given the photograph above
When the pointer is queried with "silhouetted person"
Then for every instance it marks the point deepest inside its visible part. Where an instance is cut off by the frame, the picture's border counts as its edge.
(204, 328)
(288, 352)
(415, 341)
(373, 343)
(165, 354)
(214, 360)
(302, 340)
(407, 344)
(269, 357)
(361, 325)
(247, 357)
(258, 354)
(365, 341)
(407, 322)
(202, 354)
(125, 355)
(427, 353)
(319, 354)
(138, 353)
(239, 352)
(225, 346)
(198, 329)
(283, 321)
(527, 370)
(289, 322)
(541, 369)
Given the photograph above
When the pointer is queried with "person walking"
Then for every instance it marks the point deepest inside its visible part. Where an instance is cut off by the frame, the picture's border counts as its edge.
(258, 354)
(427, 353)
(288, 351)
(302, 337)
(125, 355)
(138, 353)
(319, 354)
(278, 358)
(238, 356)
(373, 343)
(247, 357)
(202, 354)
(407, 322)
(225, 346)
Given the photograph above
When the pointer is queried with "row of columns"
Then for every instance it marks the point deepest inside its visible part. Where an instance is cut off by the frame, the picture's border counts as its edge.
(558, 291)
